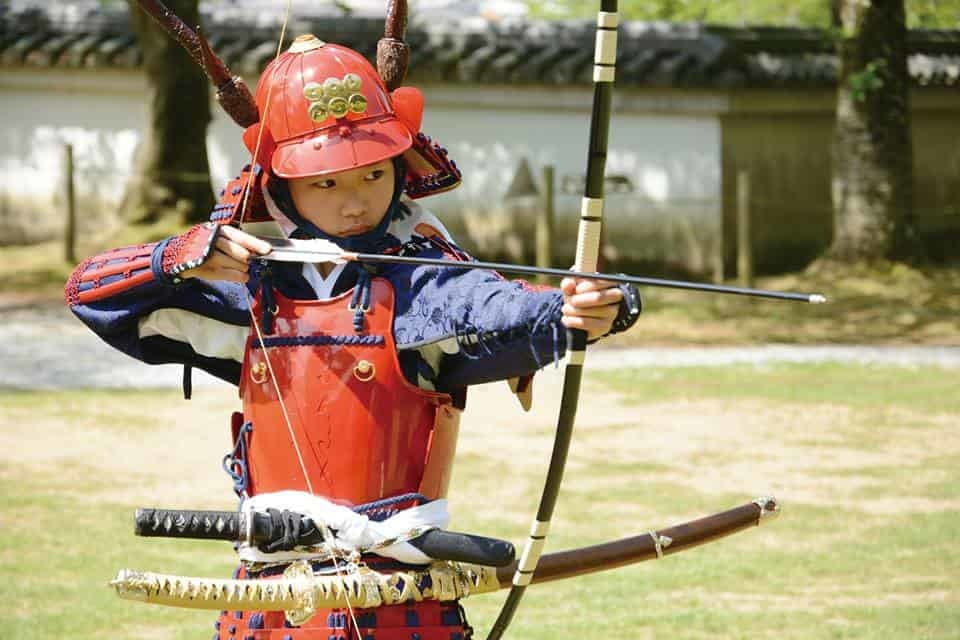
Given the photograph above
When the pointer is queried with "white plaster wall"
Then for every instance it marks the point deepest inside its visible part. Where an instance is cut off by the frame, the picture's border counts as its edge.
(104, 131)
(671, 160)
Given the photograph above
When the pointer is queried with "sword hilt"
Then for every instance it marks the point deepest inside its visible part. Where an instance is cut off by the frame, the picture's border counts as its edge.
(183, 523)
(234, 526)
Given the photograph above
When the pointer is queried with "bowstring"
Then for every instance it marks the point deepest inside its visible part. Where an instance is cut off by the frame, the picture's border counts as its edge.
(263, 347)
(276, 388)
(253, 318)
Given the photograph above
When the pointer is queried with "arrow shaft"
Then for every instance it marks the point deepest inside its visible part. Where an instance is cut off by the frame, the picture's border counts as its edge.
(590, 275)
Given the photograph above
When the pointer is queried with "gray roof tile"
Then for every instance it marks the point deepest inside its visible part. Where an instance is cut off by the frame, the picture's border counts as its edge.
(651, 54)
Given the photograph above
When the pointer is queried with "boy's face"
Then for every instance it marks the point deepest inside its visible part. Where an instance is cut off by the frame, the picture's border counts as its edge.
(346, 203)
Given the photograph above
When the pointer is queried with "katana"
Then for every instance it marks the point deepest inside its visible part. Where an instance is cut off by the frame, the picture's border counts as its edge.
(301, 592)
(261, 528)
(320, 251)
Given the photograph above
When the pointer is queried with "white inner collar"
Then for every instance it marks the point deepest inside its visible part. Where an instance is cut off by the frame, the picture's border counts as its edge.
(322, 286)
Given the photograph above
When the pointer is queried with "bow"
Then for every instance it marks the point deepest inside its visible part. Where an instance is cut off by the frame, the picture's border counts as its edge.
(588, 250)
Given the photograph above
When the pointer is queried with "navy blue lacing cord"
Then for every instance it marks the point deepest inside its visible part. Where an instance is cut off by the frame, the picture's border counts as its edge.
(235, 462)
(367, 292)
(387, 502)
(555, 337)
(267, 302)
(360, 300)
(378, 510)
(318, 340)
(556, 344)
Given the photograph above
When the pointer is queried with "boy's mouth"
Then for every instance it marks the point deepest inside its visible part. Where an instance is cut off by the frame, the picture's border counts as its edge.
(355, 230)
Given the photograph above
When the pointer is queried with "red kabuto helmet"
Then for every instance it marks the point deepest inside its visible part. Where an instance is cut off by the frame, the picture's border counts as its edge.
(324, 108)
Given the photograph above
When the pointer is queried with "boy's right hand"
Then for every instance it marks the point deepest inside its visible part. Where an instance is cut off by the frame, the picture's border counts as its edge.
(230, 256)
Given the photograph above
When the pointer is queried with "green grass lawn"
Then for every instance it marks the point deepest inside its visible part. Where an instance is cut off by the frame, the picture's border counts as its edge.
(866, 305)
(864, 461)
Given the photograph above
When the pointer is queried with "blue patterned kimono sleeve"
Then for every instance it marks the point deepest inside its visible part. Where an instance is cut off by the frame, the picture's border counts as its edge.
(480, 326)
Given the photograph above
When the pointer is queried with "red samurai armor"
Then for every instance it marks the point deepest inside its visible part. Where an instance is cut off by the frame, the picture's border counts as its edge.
(362, 431)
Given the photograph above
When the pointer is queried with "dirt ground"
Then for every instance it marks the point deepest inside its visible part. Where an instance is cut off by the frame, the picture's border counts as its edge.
(868, 495)
(179, 459)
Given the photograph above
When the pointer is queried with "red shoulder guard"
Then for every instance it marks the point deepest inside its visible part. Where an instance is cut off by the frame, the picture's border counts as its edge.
(109, 274)
(235, 206)
(429, 168)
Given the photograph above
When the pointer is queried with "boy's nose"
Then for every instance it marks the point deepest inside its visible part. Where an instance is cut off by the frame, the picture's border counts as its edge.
(354, 207)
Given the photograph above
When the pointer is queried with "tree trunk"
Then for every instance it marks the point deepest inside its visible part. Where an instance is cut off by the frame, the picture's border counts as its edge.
(872, 186)
(171, 176)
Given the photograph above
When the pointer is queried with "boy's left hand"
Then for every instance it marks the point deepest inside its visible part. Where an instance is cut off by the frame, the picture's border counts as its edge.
(591, 305)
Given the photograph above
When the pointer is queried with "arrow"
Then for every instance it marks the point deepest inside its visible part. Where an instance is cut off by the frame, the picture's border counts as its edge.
(324, 251)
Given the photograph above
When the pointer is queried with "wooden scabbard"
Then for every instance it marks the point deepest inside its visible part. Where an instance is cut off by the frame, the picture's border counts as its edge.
(619, 553)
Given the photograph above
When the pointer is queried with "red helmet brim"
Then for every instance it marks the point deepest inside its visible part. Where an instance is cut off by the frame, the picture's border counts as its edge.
(339, 148)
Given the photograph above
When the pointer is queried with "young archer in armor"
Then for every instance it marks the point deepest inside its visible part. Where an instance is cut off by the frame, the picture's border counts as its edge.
(352, 378)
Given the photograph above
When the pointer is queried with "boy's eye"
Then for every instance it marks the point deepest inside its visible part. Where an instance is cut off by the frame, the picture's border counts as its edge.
(325, 184)
(376, 174)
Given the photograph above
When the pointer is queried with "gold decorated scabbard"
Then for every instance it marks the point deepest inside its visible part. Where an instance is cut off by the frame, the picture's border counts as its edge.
(300, 592)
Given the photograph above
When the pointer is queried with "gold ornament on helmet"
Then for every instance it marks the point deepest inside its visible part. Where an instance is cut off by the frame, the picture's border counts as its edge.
(338, 107)
(352, 82)
(313, 91)
(319, 111)
(335, 97)
(333, 87)
(358, 103)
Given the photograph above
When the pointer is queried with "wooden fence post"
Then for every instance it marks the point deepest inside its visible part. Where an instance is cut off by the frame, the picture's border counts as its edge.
(545, 219)
(719, 254)
(70, 233)
(744, 240)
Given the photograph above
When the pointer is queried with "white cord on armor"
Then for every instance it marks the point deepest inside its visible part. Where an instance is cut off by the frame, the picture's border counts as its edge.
(276, 387)
(243, 209)
(263, 119)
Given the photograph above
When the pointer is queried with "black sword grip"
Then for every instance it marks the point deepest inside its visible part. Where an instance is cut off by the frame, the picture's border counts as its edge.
(465, 547)
(180, 523)
(228, 525)
(449, 545)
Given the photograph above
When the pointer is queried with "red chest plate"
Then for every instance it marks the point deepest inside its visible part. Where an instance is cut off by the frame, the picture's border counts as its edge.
(355, 429)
